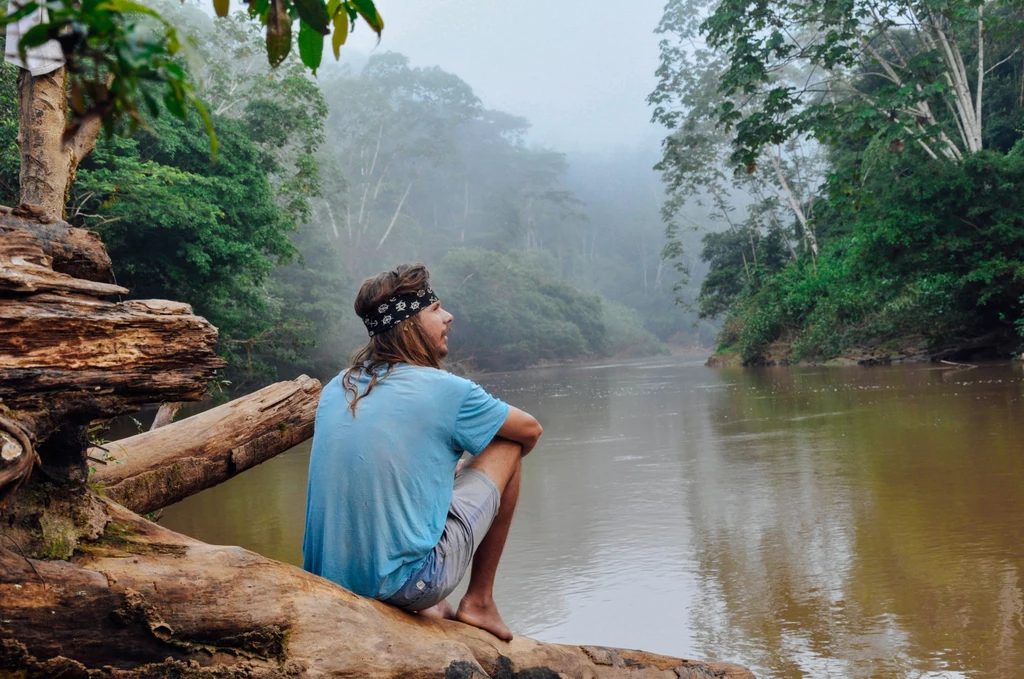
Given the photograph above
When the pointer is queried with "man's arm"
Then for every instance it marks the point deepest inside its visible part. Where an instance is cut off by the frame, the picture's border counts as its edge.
(521, 427)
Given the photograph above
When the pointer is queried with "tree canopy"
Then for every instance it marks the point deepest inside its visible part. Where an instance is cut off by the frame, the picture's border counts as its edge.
(842, 147)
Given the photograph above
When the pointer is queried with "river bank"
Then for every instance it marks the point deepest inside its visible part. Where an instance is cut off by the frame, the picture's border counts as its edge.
(993, 346)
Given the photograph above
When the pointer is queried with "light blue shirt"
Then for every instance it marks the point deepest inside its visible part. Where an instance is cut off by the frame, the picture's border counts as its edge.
(380, 483)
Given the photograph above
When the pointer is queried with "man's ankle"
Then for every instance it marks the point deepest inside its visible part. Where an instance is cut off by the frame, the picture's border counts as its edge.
(477, 600)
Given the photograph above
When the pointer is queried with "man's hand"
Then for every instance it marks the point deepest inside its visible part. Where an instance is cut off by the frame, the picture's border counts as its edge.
(521, 427)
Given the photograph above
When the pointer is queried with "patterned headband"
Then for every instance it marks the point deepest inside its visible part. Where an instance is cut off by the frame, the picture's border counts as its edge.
(397, 309)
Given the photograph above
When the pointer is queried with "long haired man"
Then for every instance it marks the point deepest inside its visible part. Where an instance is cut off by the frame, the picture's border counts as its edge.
(389, 514)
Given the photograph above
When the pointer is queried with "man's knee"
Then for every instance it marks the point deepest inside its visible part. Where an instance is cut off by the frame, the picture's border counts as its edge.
(500, 460)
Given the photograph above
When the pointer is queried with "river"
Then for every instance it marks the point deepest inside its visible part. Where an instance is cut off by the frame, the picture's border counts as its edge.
(804, 522)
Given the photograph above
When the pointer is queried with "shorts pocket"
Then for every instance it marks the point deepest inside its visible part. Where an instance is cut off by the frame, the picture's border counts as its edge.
(416, 593)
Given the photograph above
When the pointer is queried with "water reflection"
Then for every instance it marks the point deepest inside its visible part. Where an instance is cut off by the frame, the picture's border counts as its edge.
(806, 522)
(879, 532)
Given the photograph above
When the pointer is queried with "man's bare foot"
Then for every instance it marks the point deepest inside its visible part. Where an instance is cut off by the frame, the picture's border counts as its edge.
(485, 616)
(441, 611)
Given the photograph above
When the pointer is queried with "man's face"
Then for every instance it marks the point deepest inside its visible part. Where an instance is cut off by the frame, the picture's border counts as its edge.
(436, 322)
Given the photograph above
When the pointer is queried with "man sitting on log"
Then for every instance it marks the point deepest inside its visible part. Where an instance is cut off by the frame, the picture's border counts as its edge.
(383, 517)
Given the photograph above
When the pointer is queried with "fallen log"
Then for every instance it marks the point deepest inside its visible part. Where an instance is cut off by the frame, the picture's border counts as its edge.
(26, 267)
(140, 600)
(79, 253)
(67, 356)
(90, 358)
(157, 468)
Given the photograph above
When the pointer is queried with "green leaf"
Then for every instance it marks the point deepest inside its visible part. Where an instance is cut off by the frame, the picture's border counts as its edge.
(314, 13)
(279, 33)
(311, 46)
(208, 123)
(340, 33)
(126, 7)
(173, 102)
(368, 11)
(221, 7)
(34, 37)
(259, 8)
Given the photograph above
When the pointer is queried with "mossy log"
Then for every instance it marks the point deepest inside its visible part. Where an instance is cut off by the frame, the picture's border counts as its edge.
(157, 468)
(139, 600)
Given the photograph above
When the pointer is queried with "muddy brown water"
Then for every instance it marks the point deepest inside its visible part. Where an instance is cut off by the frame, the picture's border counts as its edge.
(806, 522)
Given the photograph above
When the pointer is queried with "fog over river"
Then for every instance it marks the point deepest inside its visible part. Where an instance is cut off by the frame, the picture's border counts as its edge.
(806, 522)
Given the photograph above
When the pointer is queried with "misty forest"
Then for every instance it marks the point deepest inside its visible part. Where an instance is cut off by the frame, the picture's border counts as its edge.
(826, 198)
(322, 182)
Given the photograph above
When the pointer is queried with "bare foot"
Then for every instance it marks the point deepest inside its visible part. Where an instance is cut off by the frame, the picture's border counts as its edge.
(441, 611)
(485, 616)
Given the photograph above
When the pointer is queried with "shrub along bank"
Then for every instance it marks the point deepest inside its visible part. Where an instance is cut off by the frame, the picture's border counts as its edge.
(928, 261)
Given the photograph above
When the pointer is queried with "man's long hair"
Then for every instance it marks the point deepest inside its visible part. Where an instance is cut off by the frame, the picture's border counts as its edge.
(405, 343)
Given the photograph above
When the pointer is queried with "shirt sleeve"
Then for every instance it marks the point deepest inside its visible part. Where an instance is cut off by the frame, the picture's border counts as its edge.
(479, 419)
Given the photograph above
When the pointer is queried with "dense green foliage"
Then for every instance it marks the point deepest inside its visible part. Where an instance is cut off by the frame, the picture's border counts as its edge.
(873, 225)
(510, 314)
(934, 252)
(179, 226)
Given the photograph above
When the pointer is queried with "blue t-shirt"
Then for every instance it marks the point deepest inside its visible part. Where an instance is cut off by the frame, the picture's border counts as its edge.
(380, 483)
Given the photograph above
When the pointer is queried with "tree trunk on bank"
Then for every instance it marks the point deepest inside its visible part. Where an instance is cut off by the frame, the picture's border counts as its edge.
(49, 160)
(90, 589)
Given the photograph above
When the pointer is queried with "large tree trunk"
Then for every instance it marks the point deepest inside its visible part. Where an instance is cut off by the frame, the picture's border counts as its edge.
(49, 160)
(139, 600)
(160, 467)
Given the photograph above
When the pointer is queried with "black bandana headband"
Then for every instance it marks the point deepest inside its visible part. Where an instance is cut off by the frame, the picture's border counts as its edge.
(397, 309)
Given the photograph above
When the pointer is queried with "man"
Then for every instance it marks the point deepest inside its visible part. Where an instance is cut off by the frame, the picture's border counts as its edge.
(384, 518)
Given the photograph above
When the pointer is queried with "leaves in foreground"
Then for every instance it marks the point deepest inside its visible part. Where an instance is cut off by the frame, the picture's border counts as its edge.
(113, 47)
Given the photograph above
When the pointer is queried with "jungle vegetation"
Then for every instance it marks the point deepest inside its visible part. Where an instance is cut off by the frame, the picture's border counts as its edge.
(316, 183)
(862, 163)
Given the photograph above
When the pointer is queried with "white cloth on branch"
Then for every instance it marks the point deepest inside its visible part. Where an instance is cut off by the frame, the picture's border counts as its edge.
(40, 60)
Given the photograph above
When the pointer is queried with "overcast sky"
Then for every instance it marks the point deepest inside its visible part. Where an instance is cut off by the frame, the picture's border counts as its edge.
(579, 70)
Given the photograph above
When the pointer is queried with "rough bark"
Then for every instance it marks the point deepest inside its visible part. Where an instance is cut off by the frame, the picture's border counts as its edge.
(42, 114)
(25, 266)
(17, 457)
(160, 467)
(88, 358)
(139, 600)
(49, 160)
(76, 252)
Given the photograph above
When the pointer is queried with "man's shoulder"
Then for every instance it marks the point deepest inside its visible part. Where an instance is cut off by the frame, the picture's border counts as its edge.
(434, 377)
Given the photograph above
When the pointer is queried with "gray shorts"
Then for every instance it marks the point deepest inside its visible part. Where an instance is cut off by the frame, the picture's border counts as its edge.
(475, 501)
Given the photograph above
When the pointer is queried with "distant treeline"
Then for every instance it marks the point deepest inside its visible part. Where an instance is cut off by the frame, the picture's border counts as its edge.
(320, 183)
(865, 170)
